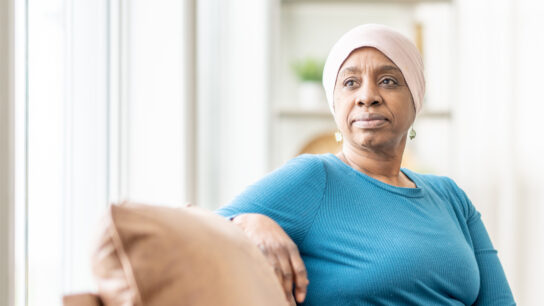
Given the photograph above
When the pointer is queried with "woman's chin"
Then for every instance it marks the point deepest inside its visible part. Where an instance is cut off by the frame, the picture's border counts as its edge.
(371, 141)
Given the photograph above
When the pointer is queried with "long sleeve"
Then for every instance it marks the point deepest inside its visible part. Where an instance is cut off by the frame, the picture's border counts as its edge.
(290, 195)
(494, 287)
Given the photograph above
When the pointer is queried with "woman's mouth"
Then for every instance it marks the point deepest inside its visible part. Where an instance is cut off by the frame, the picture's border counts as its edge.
(369, 121)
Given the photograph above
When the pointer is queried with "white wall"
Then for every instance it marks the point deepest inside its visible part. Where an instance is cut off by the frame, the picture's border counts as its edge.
(499, 130)
(529, 147)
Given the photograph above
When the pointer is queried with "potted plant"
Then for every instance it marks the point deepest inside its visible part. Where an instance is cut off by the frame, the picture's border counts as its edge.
(309, 72)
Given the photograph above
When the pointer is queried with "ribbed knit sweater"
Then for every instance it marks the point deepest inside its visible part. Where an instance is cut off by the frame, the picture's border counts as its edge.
(365, 242)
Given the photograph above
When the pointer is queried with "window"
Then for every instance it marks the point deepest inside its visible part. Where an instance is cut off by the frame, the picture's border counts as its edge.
(106, 120)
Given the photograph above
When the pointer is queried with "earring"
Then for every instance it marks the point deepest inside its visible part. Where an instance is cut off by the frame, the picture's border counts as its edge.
(412, 133)
(338, 136)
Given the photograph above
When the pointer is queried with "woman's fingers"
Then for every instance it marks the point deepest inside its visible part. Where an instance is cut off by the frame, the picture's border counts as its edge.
(299, 273)
(273, 261)
(287, 272)
(291, 300)
(280, 251)
(281, 265)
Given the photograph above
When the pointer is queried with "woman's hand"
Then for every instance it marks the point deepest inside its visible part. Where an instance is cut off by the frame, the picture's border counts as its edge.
(280, 251)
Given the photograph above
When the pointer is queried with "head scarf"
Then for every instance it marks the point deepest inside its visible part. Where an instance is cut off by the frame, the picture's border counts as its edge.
(399, 49)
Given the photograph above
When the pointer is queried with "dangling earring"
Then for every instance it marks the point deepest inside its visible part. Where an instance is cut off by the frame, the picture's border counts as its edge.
(412, 133)
(338, 136)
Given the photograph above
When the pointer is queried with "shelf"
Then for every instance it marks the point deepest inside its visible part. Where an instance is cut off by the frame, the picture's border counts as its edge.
(302, 112)
(365, 1)
(446, 115)
(326, 114)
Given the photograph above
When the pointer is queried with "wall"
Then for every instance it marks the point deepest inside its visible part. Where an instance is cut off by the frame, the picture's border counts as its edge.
(499, 126)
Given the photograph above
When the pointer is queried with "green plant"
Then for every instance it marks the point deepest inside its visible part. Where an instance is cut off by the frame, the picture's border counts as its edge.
(309, 69)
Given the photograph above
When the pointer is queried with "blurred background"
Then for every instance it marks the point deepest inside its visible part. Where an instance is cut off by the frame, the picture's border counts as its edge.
(170, 102)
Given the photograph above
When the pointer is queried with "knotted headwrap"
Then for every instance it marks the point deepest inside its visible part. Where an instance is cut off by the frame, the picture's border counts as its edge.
(399, 49)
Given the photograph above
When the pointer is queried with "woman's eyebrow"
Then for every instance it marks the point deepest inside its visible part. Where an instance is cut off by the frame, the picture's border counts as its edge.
(380, 69)
(387, 68)
(350, 69)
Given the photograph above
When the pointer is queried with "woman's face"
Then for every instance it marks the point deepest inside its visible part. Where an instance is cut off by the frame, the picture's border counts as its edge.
(373, 105)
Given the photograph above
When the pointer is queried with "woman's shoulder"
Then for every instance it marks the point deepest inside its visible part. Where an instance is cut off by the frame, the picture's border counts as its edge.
(434, 180)
(305, 169)
(447, 187)
(307, 160)
(304, 164)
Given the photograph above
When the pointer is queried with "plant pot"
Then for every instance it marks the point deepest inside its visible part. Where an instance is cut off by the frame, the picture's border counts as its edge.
(311, 96)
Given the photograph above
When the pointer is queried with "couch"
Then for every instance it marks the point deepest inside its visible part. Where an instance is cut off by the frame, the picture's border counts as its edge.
(161, 256)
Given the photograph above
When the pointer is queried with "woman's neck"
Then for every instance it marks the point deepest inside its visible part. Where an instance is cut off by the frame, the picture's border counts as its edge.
(383, 165)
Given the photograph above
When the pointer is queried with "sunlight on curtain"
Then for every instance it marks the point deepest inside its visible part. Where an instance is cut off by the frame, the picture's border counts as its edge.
(106, 122)
(67, 142)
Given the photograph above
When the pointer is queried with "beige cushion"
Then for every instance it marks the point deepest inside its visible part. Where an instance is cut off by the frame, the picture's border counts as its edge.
(83, 299)
(152, 255)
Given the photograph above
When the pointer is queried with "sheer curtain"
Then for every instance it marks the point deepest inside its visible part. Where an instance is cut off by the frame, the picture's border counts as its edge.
(107, 119)
(233, 83)
(67, 151)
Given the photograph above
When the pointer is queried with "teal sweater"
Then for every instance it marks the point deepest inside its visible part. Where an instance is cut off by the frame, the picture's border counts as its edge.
(365, 242)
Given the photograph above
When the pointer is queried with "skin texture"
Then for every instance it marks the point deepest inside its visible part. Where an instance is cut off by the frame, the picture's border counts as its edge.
(373, 110)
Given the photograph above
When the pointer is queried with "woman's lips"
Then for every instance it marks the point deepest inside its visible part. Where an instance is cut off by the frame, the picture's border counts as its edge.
(369, 124)
(369, 121)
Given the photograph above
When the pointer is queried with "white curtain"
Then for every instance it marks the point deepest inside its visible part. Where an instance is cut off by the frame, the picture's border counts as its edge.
(233, 83)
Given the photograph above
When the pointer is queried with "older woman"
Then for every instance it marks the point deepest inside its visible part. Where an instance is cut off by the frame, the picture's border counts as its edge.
(368, 231)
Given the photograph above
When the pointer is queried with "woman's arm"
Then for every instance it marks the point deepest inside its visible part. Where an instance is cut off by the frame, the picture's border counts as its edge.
(276, 213)
(494, 288)
(280, 251)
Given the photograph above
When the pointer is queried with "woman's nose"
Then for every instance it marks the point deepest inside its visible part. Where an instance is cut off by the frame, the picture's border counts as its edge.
(368, 96)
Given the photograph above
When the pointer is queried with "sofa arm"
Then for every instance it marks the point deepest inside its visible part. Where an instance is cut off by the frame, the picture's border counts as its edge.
(82, 299)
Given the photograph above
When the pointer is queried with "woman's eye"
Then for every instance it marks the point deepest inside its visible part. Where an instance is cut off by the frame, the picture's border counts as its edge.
(349, 83)
(389, 81)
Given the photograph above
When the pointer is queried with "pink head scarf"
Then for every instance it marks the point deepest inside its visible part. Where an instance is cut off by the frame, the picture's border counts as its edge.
(399, 49)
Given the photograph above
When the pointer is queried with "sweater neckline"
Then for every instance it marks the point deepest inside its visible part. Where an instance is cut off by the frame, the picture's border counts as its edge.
(418, 191)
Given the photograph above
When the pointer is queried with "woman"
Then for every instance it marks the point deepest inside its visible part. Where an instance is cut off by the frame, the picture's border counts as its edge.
(369, 232)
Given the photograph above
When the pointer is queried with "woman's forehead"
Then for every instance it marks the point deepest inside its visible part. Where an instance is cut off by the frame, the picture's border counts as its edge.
(374, 67)
(367, 57)
(368, 60)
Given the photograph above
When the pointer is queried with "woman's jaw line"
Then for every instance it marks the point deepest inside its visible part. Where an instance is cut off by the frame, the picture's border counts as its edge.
(382, 152)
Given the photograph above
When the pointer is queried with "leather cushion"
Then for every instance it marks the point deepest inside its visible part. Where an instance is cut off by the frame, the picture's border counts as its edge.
(153, 255)
(82, 299)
